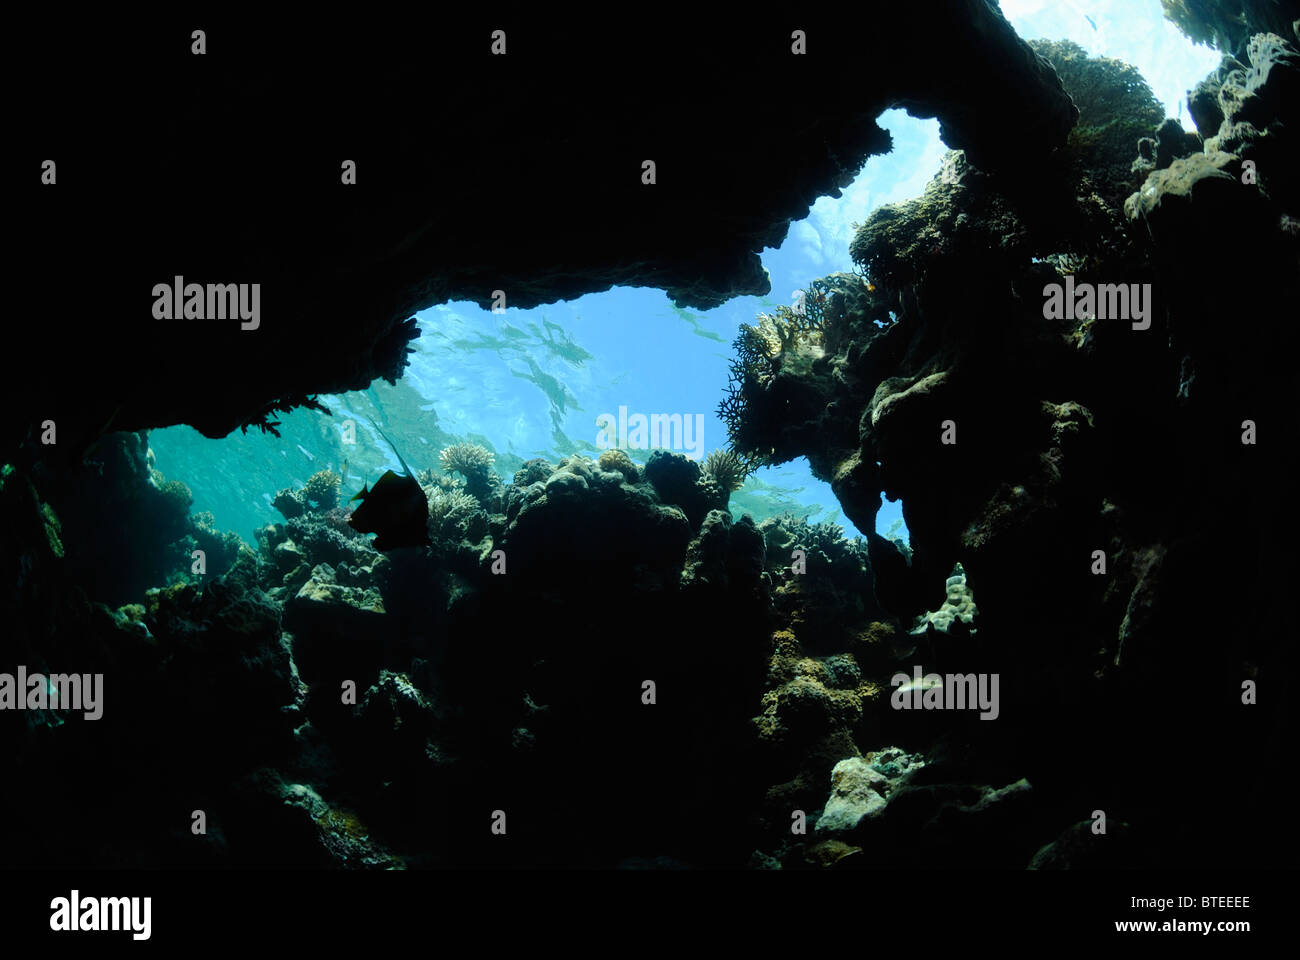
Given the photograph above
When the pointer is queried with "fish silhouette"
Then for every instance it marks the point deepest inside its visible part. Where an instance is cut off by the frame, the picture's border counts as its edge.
(395, 509)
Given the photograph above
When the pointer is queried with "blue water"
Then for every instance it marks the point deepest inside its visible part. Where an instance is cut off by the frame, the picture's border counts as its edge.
(530, 383)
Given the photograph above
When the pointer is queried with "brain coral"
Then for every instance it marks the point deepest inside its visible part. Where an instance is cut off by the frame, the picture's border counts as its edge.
(617, 461)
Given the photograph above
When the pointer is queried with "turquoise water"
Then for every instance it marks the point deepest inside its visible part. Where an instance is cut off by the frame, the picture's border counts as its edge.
(533, 383)
(529, 383)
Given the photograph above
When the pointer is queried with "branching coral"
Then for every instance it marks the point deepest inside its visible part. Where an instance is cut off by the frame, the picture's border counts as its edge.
(453, 505)
(779, 332)
(761, 351)
(469, 459)
(322, 490)
(474, 462)
(262, 419)
(443, 482)
(451, 513)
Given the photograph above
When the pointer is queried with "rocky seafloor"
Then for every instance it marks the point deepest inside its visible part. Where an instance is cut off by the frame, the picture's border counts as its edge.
(328, 705)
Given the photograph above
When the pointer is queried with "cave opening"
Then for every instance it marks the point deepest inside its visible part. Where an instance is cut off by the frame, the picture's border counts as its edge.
(620, 528)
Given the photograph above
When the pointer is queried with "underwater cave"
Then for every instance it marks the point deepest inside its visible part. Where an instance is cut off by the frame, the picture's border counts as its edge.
(775, 461)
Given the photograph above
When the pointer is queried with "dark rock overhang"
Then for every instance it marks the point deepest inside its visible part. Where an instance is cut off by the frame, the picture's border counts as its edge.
(475, 173)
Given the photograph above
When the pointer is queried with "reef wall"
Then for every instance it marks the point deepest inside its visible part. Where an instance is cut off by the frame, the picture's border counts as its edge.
(1097, 473)
(1093, 497)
